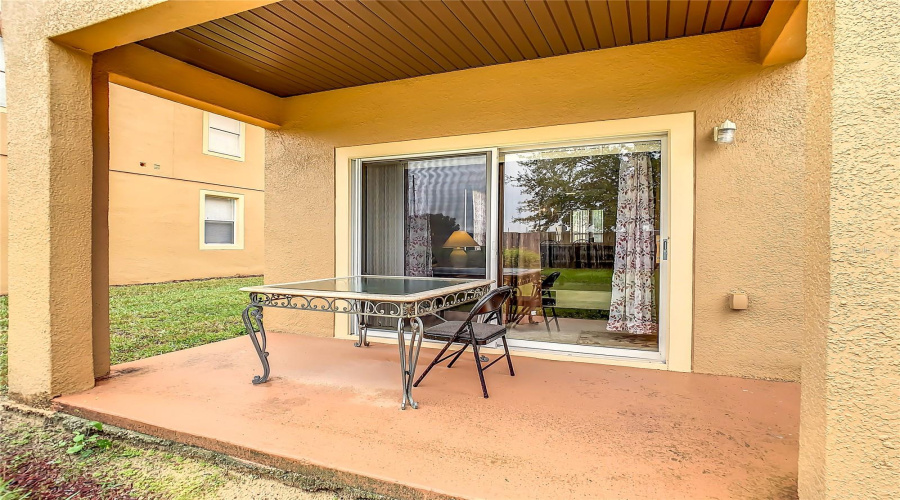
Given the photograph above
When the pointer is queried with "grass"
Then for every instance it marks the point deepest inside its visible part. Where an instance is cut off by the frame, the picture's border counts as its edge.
(146, 320)
(8, 492)
(582, 279)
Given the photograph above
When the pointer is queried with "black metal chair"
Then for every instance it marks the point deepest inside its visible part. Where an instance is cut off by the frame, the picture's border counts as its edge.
(548, 301)
(472, 333)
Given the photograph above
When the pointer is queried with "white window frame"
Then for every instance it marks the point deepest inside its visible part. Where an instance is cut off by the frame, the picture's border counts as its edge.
(242, 139)
(238, 221)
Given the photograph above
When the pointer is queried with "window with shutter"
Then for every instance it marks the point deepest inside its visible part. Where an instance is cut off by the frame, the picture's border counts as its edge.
(223, 137)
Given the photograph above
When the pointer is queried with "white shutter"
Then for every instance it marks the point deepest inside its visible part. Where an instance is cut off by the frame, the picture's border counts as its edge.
(224, 143)
(223, 136)
(224, 124)
(219, 208)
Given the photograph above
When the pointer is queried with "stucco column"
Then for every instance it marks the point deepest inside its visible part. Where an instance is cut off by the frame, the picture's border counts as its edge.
(50, 177)
(850, 415)
(100, 222)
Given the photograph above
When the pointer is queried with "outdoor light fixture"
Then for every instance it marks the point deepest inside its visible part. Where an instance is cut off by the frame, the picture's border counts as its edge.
(458, 241)
(724, 133)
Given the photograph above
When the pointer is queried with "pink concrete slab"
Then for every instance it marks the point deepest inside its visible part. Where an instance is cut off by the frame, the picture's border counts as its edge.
(556, 430)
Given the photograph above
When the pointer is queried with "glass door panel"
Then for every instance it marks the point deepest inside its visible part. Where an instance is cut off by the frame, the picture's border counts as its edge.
(580, 244)
(425, 217)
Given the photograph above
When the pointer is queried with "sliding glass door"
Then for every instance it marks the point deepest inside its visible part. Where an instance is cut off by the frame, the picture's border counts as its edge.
(580, 234)
(581, 243)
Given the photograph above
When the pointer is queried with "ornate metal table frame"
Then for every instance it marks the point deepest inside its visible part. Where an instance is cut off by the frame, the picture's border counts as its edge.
(405, 308)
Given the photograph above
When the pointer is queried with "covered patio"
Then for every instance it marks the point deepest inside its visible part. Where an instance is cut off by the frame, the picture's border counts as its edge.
(785, 214)
(556, 430)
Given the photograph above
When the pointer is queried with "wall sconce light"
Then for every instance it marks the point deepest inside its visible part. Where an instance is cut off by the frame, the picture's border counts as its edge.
(724, 133)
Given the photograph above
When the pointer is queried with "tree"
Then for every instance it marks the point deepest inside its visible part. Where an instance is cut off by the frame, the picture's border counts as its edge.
(553, 188)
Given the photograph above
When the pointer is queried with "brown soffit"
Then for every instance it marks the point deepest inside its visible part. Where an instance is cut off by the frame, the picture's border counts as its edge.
(297, 47)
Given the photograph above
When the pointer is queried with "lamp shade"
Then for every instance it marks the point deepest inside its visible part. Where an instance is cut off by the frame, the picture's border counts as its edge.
(460, 239)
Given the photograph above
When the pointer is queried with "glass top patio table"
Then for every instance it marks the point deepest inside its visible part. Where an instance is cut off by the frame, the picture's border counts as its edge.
(404, 298)
(391, 288)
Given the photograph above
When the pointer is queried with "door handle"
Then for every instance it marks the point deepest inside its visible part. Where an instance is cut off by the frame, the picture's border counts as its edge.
(665, 249)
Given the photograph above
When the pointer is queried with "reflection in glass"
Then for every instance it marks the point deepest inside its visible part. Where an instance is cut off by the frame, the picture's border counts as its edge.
(580, 244)
(425, 217)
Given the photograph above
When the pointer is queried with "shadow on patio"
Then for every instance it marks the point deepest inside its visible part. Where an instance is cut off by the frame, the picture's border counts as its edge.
(556, 430)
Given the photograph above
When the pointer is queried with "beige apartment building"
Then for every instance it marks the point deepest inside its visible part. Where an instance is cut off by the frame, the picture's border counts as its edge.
(758, 134)
(186, 192)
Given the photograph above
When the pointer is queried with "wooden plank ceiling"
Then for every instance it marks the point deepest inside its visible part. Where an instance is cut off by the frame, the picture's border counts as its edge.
(301, 46)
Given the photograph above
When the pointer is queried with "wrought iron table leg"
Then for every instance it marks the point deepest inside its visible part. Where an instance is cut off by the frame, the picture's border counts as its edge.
(401, 344)
(409, 358)
(255, 313)
(363, 329)
(415, 346)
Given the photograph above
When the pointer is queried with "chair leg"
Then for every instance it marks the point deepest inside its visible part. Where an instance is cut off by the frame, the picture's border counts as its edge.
(458, 354)
(512, 373)
(546, 321)
(517, 318)
(433, 362)
(556, 319)
(480, 370)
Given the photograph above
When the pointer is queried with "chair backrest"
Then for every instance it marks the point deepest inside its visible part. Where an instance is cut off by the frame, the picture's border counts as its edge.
(550, 280)
(491, 304)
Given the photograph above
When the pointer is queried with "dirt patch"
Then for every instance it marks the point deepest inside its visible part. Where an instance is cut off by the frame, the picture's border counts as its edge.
(43, 477)
(33, 456)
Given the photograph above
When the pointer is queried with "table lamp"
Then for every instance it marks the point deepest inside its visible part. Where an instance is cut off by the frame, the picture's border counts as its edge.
(458, 241)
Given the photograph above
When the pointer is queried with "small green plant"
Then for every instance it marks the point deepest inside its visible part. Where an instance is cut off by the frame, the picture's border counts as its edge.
(86, 444)
(8, 492)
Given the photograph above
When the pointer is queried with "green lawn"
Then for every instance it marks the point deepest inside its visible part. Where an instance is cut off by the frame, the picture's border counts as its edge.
(582, 279)
(146, 320)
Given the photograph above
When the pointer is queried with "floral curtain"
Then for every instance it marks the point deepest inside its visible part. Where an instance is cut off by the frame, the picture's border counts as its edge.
(632, 281)
(418, 232)
(479, 224)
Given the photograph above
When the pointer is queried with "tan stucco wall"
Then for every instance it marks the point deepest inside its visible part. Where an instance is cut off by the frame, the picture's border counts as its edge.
(748, 195)
(816, 277)
(850, 424)
(50, 178)
(154, 130)
(154, 213)
(145, 245)
(154, 232)
(4, 208)
(143, 69)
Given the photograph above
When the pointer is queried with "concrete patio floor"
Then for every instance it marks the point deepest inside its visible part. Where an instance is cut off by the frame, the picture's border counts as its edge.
(556, 430)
